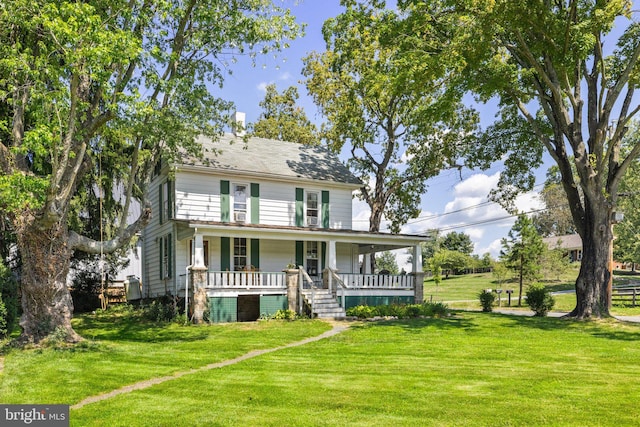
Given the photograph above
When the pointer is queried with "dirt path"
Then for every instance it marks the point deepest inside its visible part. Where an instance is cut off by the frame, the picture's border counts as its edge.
(337, 328)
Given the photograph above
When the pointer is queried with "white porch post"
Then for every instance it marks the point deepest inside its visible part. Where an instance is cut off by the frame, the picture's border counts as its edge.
(366, 263)
(198, 250)
(418, 275)
(417, 259)
(199, 278)
(331, 261)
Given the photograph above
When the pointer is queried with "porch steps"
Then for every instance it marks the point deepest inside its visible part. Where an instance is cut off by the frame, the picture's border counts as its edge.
(324, 305)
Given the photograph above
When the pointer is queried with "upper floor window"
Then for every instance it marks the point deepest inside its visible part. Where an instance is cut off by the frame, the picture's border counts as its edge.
(312, 209)
(240, 197)
(166, 201)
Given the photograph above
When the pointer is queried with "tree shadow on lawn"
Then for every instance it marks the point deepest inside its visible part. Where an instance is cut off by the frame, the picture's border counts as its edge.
(134, 329)
(418, 324)
(610, 329)
(607, 329)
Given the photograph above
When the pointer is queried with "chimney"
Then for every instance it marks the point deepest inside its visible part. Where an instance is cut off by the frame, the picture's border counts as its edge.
(239, 124)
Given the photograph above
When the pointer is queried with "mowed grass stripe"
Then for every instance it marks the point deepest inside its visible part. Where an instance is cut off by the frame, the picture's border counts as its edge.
(473, 369)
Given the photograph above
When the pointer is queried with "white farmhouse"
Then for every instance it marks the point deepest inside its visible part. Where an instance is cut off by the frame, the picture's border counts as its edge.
(265, 225)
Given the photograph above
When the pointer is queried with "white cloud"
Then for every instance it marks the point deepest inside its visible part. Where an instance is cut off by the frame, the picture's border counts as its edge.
(285, 76)
(262, 86)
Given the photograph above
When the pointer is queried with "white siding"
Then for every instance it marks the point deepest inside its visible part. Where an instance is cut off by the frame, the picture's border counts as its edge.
(197, 196)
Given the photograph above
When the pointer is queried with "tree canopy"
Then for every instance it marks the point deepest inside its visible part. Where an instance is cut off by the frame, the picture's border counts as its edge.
(394, 116)
(92, 95)
(565, 85)
(282, 119)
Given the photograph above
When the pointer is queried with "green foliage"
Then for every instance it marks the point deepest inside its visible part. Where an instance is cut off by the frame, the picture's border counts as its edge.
(282, 119)
(8, 301)
(387, 261)
(554, 263)
(163, 309)
(459, 242)
(500, 272)
(94, 94)
(522, 249)
(539, 299)
(448, 261)
(487, 298)
(401, 311)
(284, 315)
(394, 115)
(4, 330)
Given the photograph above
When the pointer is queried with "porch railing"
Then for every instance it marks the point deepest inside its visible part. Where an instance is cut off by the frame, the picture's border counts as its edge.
(376, 281)
(246, 279)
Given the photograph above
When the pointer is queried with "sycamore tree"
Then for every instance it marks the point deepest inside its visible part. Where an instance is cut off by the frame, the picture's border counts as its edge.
(282, 119)
(392, 114)
(565, 84)
(92, 95)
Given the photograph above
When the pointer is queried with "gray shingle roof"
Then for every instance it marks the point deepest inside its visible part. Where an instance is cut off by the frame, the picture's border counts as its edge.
(274, 158)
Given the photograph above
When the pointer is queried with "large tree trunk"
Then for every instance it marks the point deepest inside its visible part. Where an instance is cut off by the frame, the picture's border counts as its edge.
(47, 307)
(593, 291)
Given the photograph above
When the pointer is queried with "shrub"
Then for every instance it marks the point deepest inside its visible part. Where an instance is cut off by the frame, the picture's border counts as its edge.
(362, 311)
(539, 299)
(487, 298)
(85, 290)
(435, 309)
(285, 315)
(9, 301)
(162, 310)
(4, 331)
(428, 309)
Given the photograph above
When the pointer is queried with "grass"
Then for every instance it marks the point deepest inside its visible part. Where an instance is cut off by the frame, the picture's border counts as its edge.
(123, 349)
(473, 369)
(462, 291)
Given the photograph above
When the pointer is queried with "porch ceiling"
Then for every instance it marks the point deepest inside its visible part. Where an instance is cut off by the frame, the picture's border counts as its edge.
(367, 242)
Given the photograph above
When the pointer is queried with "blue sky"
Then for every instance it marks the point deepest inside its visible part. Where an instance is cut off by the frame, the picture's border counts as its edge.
(455, 201)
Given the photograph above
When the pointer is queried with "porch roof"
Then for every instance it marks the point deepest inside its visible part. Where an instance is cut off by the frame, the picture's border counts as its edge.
(367, 241)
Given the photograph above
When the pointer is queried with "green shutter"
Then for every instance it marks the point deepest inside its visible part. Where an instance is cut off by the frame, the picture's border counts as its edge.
(255, 253)
(170, 257)
(299, 253)
(225, 209)
(325, 209)
(299, 207)
(255, 203)
(161, 260)
(225, 253)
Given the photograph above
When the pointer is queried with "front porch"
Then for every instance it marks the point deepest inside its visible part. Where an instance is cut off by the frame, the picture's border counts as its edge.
(228, 292)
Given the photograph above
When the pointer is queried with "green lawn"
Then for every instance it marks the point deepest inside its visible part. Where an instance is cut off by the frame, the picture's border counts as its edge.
(462, 291)
(472, 369)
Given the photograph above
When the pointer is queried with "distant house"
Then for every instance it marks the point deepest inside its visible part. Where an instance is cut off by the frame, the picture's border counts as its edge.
(571, 244)
(230, 227)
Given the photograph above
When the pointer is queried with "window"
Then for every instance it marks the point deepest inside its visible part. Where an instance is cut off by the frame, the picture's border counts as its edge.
(312, 258)
(240, 202)
(312, 209)
(166, 257)
(239, 253)
(166, 201)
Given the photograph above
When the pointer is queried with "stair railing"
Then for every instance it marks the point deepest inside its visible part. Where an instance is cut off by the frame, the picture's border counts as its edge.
(303, 275)
(334, 278)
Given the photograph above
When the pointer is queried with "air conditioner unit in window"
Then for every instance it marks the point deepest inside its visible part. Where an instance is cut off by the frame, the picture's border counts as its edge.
(240, 216)
(312, 221)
